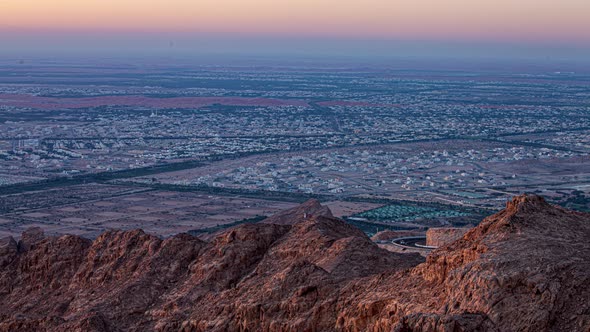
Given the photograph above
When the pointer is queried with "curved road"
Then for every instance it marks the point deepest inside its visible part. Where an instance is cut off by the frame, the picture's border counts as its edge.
(412, 242)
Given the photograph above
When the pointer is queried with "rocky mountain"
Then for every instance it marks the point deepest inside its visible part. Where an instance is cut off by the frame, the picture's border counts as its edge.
(526, 268)
(307, 210)
(438, 237)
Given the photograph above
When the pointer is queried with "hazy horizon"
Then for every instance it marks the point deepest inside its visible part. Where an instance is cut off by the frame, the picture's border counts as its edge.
(542, 31)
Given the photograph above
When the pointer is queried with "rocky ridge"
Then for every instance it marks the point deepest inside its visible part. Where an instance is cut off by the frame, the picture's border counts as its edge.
(526, 268)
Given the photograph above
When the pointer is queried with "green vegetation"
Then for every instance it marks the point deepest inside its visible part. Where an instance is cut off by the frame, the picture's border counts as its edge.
(409, 213)
(96, 177)
(577, 201)
(465, 194)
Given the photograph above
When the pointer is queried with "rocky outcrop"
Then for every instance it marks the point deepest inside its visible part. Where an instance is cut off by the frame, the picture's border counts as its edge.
(30, 237)
(8, 250)
(307, 210)
(438, 237)
(523, 269)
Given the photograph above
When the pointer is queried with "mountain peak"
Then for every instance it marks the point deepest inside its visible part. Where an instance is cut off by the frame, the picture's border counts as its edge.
(527, 203)
(310, 209)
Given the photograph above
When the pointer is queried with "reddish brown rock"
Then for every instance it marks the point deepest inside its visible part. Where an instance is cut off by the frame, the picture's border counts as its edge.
(30, 237)
(526, 268)
(438, 237)
(8, 250)
(307, 210)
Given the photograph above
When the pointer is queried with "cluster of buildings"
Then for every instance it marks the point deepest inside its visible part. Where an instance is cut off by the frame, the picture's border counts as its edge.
(316, 132)
(371, 171)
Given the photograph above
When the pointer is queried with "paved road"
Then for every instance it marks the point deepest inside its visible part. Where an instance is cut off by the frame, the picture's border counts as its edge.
(412, 242)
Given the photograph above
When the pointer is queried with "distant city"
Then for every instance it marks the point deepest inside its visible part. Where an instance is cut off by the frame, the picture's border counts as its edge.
(246, 142)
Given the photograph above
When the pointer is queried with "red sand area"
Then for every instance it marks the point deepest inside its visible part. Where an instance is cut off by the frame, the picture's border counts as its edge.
(355, 103)
(53, 103)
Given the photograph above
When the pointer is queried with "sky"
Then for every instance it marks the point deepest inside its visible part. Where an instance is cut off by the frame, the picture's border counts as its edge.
(548, 28)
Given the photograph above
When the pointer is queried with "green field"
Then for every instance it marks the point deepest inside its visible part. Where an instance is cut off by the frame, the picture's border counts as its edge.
(409, 213)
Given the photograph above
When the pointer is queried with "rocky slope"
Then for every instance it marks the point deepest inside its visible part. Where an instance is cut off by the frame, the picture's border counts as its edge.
(438, 237)
(526, 268)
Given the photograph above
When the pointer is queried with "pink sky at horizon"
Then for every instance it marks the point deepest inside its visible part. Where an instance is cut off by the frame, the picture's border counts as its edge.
(483, 20)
